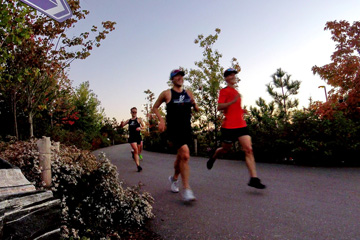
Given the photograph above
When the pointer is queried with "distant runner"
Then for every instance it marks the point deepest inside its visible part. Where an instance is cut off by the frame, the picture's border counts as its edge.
(135, 125)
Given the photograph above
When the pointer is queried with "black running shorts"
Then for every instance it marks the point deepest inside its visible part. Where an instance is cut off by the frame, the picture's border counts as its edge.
(179, 138)
(136, 139)
(230, 135)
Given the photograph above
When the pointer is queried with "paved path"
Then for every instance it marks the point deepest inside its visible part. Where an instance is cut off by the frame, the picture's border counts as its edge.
(299, 203)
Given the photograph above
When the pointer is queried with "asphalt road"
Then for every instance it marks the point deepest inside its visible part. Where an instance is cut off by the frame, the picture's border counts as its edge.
(299, 202)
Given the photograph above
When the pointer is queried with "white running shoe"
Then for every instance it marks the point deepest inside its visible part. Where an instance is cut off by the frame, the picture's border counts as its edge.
(188, 195)
(174, 184)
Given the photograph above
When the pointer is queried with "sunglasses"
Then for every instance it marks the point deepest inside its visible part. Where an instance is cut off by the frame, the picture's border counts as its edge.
(133, 112)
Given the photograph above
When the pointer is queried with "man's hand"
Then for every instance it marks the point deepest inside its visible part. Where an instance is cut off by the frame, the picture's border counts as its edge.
(223, 106)
(192, 101)
(161, 126)
(236, 98)
(138, 129)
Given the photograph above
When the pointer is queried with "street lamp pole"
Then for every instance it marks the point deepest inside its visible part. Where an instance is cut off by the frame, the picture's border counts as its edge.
(325, 91)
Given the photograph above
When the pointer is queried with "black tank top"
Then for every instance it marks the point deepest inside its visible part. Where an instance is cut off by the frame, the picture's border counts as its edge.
(133, 125)
(179, 111)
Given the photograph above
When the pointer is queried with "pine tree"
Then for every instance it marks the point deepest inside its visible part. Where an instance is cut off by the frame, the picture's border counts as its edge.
(288, 87)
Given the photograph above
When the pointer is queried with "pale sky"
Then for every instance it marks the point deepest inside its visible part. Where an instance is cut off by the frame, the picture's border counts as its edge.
(155, 36)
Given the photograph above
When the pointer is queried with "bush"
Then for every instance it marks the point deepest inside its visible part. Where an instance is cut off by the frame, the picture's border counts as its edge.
(321, 141)
(94, 203)
(25, 156)
(69, 138)
(81, 140)
(156, 142)
(307, 138)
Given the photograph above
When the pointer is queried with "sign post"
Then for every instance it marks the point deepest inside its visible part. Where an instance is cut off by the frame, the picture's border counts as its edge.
(58, 10)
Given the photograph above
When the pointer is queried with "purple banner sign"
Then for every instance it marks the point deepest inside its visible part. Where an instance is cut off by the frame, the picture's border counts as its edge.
(58, 10)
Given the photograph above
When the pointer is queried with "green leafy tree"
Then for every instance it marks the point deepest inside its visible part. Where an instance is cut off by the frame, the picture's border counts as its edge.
(269, 123)
(108, 131)
(288, 88)
(56, 110)
(88, 111)
(58, 105)
(262, 111)
(264, 129)
(150, 116)
(205, 83)
(13, 32)
(37, 62)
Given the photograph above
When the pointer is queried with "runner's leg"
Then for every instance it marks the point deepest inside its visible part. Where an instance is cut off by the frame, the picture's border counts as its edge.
(222, 150)
(245, 142)
(182, 158)
(218, 152)
(136, 155)
(140, 146)
(177, 167)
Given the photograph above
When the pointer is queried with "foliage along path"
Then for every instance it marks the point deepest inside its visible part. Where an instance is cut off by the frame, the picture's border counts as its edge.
(299, 203)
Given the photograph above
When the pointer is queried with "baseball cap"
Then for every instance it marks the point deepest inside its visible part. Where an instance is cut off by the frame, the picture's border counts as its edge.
(176, 72)
(228, 71)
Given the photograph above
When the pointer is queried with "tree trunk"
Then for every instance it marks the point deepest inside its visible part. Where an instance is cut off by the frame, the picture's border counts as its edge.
(148, 118)
(283, 94)
(15, 123)
(31, 124)
(51, 121)
(13, 104)
(216, 129)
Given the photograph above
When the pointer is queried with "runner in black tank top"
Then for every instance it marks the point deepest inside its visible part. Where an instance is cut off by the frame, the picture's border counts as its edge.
(178, 118)
(178, 105)
(134, 135)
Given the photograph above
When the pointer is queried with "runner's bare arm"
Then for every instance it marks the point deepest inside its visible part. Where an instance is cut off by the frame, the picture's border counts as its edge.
(142, 124)
(124, 123)
(196, 107)
(162, 98)
(223, 106)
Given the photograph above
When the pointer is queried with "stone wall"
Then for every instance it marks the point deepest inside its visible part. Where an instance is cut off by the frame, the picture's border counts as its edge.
(31, 215)
(26, 213)
(13, 182)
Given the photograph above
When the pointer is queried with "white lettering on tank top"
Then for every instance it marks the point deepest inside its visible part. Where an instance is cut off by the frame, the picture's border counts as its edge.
(180, 100)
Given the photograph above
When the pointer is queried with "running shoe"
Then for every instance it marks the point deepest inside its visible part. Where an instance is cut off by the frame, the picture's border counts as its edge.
(139, 168)
(256, 183)
(188, 195)
(210, 163)
(174, 184)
